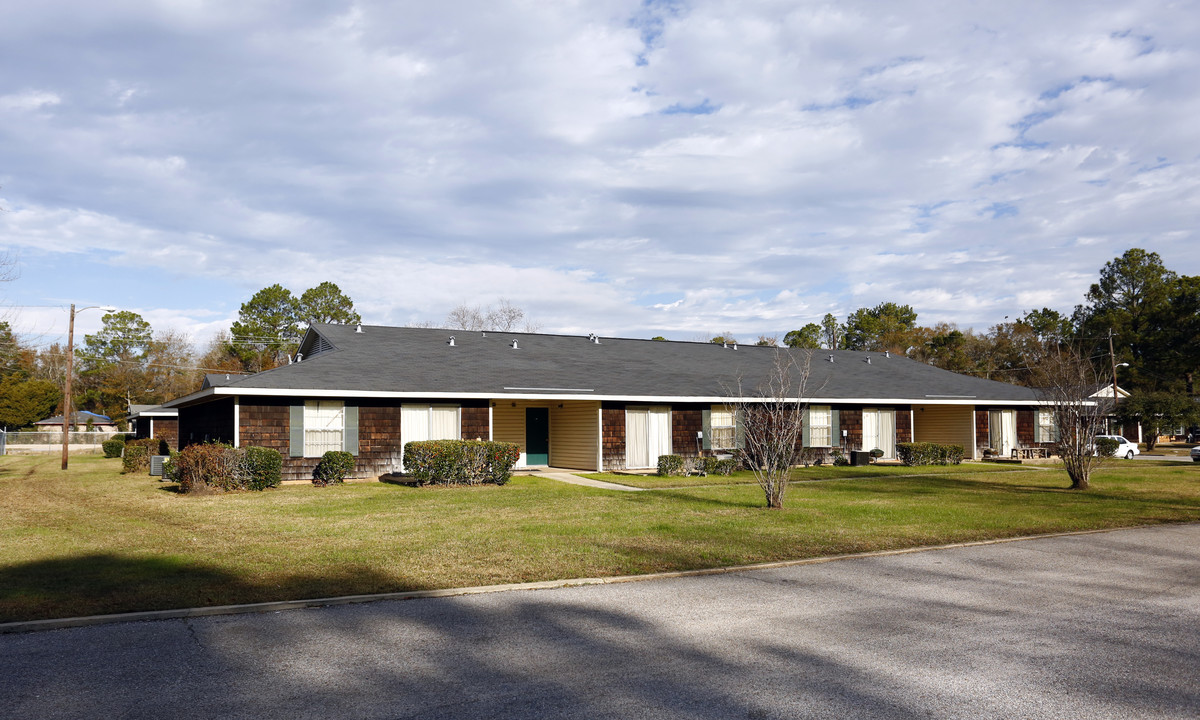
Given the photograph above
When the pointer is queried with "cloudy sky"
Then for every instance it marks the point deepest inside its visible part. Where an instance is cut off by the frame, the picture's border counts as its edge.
(622, 167)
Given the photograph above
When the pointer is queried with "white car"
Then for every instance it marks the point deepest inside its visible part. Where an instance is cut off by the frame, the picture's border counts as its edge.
(1125, 448)
(1196, 454)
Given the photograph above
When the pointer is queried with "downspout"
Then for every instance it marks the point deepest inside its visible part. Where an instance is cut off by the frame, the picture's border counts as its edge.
(237, 420)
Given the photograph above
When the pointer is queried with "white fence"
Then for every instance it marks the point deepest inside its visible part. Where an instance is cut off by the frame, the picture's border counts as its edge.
(28, 443)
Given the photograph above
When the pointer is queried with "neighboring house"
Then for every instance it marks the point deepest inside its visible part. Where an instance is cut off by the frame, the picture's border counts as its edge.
(581, 402)
(79, 421)
(1130, 431)
(148, 421)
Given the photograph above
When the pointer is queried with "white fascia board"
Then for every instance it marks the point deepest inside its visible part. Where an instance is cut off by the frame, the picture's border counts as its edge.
(389, 394)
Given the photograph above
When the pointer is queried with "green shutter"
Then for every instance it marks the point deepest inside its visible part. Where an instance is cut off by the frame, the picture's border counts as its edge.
(1037, 426)
(350, 431)
(707, 414)
(739, 429)
(805, 435)
(835, 428)
(296, 431)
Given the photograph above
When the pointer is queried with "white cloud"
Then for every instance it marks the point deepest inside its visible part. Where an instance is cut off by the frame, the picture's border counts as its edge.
(614, 166)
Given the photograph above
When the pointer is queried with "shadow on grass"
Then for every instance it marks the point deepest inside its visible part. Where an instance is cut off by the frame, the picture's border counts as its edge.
(106, 583)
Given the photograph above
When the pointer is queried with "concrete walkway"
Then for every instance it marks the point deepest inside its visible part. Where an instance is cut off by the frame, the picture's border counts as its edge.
(568, 476)
(1099, 625)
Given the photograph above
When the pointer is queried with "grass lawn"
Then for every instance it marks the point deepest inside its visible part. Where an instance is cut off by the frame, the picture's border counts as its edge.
(94, 541)
(800, 474)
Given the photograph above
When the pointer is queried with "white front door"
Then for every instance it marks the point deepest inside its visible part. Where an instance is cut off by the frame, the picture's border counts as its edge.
(647, 435)
(879, 431)
(1002, 430)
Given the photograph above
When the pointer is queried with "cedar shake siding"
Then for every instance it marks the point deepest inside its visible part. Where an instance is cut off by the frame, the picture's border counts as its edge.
(207, 422)
(686, 422)
(266, 423)
(850, 420)
(613, 434)
(475, 423)
(1025, 421)
(904, 421)
(982, 437)
(166, 428)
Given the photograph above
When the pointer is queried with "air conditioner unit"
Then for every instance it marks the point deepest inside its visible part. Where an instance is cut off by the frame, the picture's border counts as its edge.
(156, 464)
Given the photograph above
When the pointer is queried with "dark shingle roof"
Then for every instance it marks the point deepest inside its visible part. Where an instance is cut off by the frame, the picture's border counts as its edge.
(420, 360)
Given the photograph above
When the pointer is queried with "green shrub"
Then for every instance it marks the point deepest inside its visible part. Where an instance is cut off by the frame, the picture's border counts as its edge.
(717, 466)
(461, 461)
(113, 448)
(670, 465)
(1106, 447)
(263, 467)
(207, 466)
(138, 452)
(926, 453)
(217, 466)
(335, 465)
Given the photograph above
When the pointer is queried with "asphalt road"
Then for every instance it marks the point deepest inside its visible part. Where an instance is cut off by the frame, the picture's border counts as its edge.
(1087, 626)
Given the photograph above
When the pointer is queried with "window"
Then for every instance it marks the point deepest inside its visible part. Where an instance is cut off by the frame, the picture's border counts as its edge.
(324, 425)
(1046, 432)
(647, 435)
(429, 422)
(722, 426)
(820, 426)
(879, 431)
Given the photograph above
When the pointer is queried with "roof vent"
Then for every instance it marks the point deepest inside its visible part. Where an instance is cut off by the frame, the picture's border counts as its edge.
(868, 360)
(483, 333)
(735, 346)
(594, 338)
(450, 342)
(724, 344)
(514, 344)
(830, 358)
(226, 376)
(358, 328)
(887, 353)
(299, 357)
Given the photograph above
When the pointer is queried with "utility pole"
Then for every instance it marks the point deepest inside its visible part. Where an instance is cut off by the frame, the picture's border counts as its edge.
(70, 374)
(1112, 356)
(67, 389)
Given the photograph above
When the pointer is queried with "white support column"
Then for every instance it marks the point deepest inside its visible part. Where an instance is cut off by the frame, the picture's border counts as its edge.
(491, 422)
(600, 438)
(237, 420)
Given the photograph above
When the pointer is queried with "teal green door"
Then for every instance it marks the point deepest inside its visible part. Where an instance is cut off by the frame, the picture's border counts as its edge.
(537, 436)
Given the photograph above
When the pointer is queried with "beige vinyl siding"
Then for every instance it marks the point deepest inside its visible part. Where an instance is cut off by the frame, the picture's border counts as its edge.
(574, 430)
(508, 422)
(945, 424)
(575, 435)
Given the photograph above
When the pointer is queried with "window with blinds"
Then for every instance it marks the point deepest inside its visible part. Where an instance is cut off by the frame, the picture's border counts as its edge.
(324, 426)
(722, 425)
(820, 426)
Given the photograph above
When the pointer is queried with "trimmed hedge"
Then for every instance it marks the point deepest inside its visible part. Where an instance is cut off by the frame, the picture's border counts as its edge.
(138, 452)
(113, 448)
(334, 467)
(469, 462)
(263, 466)
(926, 453)
(670, 465)
(216, 466)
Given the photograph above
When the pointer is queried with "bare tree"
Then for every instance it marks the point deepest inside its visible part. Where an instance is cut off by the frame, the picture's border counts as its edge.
(504, 317)
(1066, 381)
(772, 422)
(465, 317)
